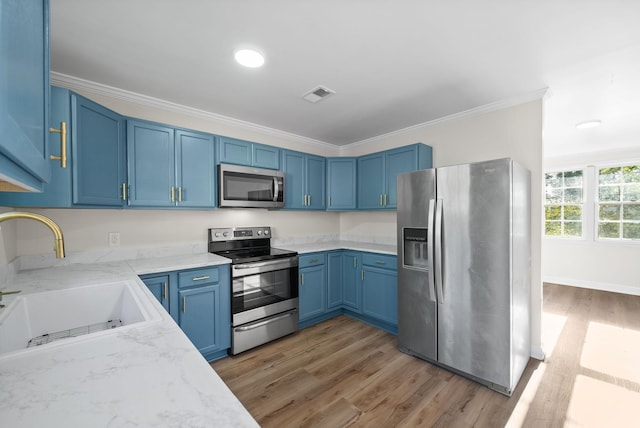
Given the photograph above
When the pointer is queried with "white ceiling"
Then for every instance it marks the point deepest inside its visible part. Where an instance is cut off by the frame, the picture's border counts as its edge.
(393, 64)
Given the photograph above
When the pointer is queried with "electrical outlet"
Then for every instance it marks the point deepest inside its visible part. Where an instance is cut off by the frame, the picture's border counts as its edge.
(114, 239)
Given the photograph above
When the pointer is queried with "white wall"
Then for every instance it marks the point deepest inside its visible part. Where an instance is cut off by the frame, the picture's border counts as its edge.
(514, 132)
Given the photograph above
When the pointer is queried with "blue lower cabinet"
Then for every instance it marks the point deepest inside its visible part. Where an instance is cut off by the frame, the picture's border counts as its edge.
(312, 287)
(199, 301)
(360, 284)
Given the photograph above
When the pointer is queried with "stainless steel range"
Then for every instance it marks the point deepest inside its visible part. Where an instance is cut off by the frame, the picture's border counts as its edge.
(264, 289)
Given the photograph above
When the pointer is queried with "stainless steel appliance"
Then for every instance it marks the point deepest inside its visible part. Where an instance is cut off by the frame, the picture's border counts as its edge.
(264, 285)
(464, 269)
(247, 187)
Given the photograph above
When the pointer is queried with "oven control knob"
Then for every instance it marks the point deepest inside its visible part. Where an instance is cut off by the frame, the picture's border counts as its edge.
(259, 232)
(266, 231)
(217, 234)
(225, 234)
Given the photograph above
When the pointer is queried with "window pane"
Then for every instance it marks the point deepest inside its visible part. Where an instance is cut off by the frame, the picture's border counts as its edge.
(554, 196)
(609, 193)
(632, 192)
(631, 212)
(609, 230)
(553, 228)
(573, 228)
(610, 175)
(573, 178)
(573, 212)
(610, 212)
(631, 174)
(553, 179)
(553, 212)
(573, 195)
(631, 230)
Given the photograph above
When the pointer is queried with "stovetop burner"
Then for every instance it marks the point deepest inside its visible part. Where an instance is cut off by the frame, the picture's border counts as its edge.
(245, 245)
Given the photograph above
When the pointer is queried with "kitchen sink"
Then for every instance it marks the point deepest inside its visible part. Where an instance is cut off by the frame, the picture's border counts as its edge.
(61, 317)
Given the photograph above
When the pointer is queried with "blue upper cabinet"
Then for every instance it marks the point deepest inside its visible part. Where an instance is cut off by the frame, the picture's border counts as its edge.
(378, 172)
(24, 94)
(169, 167)
(341, 184)
(98, 147)
(241, 152)
(195, 157)
(95, 151)
(304, 180)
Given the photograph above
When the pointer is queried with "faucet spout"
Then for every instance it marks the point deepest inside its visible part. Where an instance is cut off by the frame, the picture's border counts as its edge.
(57, 232)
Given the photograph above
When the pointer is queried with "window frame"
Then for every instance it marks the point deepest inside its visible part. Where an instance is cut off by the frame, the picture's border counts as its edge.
(583, 204)
(597, 203)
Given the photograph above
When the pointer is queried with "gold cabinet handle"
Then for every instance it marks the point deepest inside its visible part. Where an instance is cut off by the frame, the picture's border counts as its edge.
(380, 262)
(124, 191)
(164, 291)
(173, 198)
(385, 199)
(302, 278)
(179, 194)
(355, 262)
(329, 200)
(362, 274)
(63, 144)
(200, 278)
(184, 304)
(313, 261)
(304, 200)
(309, 204)
(381, 204)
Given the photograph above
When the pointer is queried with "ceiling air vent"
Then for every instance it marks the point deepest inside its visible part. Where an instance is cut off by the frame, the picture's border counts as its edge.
(318, 93)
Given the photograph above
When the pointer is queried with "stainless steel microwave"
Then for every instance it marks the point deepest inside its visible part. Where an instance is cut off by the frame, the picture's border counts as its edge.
(248, 187)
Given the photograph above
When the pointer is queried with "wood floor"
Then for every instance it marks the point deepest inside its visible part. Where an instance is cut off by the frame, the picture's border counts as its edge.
(346, 373)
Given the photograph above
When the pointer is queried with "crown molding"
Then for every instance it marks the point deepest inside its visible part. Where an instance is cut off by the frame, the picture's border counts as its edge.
(476, 111)
(87, 86)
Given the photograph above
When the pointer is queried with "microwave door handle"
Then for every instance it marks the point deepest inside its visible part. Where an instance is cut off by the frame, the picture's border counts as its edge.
(276, 189)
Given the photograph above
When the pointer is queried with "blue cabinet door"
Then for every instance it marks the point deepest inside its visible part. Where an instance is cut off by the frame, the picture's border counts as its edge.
(234, 151)
(398, 161)
(56, 193)
(294, 190)
(198, 318)
(98, 146)
(341, 184)
(24, 93)
(195, 158)
(266, 156)
(380, 294)
(312, 285)
(351, 280)
(159, 287)
(334, 279)
(371, 181)
(150, 152)
(315, 182)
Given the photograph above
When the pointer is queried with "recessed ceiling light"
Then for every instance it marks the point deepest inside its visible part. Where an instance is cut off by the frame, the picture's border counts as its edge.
(589, 124)
(249, 58)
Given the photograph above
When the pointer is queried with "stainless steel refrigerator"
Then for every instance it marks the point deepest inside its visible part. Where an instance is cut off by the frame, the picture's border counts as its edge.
(464, 269)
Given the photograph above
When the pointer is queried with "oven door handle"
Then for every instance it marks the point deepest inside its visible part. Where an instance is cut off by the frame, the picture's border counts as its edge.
(261, 264)
(276, 189)
(265, 322)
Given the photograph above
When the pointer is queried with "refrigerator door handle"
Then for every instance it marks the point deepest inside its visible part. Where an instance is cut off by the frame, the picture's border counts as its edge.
(438, 251)
(430, 250)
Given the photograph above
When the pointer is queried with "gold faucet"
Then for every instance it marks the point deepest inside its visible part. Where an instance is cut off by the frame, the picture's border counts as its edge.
(57, 233)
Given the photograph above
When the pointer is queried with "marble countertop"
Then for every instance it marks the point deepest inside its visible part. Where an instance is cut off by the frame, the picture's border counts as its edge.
(340, 245)
(148, 375)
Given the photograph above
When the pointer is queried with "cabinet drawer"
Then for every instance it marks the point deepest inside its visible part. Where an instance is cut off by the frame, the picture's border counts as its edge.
(191, 278)
(312, 259)
(380, 260)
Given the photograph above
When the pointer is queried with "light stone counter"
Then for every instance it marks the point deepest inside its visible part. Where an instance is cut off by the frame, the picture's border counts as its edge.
(339, 245)
(147, 376)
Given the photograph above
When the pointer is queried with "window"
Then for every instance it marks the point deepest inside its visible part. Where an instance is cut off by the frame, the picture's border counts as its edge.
(619, 202)
(563, 203)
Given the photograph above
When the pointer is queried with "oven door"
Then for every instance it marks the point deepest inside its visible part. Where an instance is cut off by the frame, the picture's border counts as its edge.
(263, 289)
(242, 186)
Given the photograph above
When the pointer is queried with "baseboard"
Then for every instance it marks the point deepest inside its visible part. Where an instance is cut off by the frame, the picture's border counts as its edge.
(603, 286)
